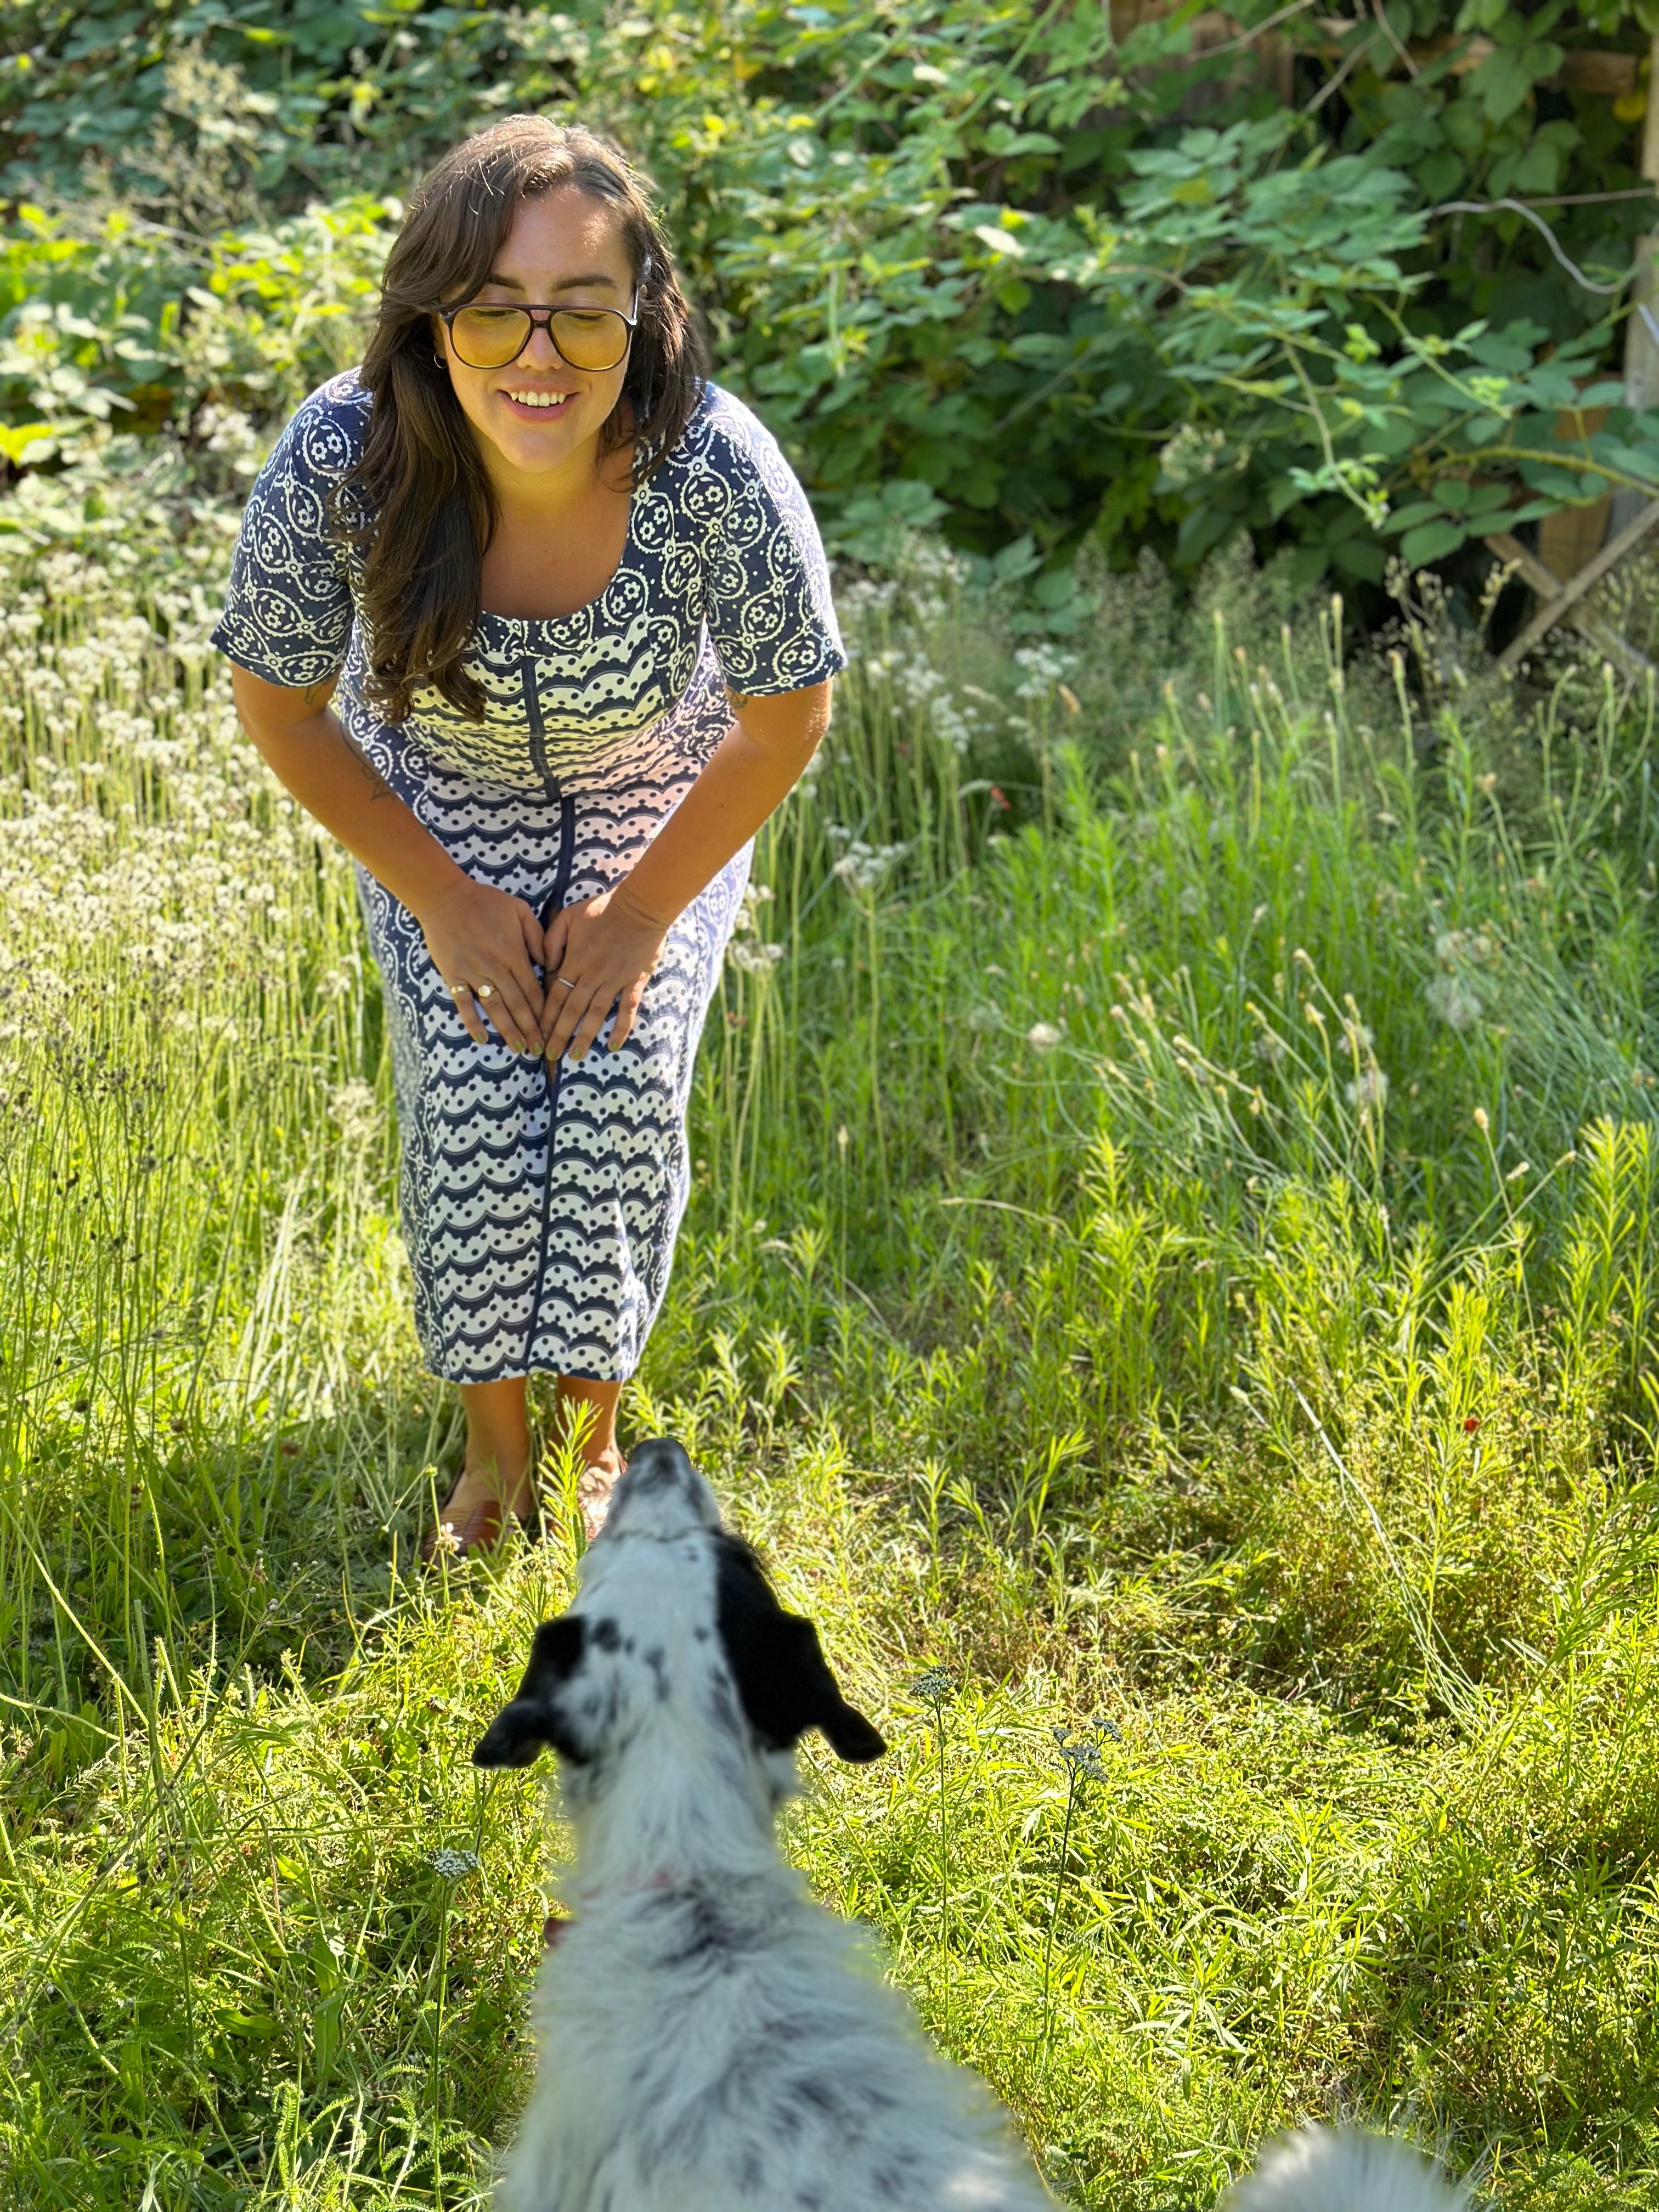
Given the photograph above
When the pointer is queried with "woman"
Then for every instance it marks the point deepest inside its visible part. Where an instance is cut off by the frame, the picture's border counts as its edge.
(536, 621)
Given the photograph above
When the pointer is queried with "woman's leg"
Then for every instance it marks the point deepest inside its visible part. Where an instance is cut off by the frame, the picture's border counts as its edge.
(587, 1412)
(496, 1469)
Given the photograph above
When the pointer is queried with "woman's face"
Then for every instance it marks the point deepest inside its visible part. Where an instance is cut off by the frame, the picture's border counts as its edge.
(564, 250)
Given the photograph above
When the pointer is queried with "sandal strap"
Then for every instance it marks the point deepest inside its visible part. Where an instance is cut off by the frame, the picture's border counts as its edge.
(479, 1528)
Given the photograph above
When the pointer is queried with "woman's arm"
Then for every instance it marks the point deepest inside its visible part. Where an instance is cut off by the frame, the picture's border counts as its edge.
(605, 948)
(475, 935)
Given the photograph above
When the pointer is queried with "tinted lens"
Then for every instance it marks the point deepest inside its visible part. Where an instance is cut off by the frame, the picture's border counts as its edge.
(489, 337)
(591, 339)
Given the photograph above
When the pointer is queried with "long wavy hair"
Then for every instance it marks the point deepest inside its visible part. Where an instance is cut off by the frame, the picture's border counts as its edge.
(419, 505)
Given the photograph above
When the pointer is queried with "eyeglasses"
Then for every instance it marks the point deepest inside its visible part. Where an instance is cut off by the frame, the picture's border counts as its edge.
(591, 339)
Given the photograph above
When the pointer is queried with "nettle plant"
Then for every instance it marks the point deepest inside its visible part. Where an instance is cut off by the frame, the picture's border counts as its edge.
(1142, 273)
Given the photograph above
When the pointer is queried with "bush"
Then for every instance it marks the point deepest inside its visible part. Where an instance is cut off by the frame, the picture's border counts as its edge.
(1036, 278)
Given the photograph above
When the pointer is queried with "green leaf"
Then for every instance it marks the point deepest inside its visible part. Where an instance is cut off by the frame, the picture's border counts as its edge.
(1501, 83)
(1360, 557)
(1564, 486)
(1430, 542)
(23, 443)
(1308, 564)
(1008, 145)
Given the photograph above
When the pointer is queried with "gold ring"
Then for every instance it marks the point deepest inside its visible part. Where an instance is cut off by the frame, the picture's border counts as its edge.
(485, 991)
(562, 984)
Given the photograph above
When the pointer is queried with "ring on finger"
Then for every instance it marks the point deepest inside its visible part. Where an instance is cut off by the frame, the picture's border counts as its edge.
(564, 983)
(484, 991)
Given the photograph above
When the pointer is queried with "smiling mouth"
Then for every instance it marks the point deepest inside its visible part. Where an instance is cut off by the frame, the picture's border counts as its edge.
(542, 403)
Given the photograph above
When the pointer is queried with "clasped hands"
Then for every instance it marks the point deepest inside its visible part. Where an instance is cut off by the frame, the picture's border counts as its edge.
(595, 954)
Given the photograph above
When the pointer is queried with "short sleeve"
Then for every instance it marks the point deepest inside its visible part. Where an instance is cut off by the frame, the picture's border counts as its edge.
(288, 610)
(770, 615)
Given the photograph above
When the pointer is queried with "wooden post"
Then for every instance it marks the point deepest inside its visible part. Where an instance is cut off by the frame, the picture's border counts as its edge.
(1567, 595)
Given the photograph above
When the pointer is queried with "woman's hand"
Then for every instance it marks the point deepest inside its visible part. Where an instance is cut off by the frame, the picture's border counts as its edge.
(486, 946)
(599, 953)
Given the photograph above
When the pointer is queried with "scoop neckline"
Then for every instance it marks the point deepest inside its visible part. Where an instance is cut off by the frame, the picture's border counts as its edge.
(590, 606)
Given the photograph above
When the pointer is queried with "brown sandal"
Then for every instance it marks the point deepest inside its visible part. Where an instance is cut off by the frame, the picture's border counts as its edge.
(480, 1529)
(594, 1491)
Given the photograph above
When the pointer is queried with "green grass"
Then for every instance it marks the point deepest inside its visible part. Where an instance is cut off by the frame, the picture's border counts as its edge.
(1171, 1262)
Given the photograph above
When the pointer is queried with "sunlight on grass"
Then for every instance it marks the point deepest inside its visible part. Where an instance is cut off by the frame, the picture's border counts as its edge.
(1173, 1295)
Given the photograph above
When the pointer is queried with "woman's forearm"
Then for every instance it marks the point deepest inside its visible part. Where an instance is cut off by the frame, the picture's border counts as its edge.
(311, 755)
(749, 774)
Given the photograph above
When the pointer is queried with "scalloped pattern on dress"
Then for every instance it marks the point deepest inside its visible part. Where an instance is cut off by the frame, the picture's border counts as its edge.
(540, 1206)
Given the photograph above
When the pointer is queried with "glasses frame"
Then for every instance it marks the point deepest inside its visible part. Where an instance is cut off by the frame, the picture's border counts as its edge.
(541, 318)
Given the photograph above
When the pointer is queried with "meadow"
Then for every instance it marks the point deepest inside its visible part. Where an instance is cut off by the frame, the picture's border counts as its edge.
(1171, 1286)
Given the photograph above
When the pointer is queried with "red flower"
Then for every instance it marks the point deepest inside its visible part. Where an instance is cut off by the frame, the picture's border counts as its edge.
(997, 799)
(1471, 1424)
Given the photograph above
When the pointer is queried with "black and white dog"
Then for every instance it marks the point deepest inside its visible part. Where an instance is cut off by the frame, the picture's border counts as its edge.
(709, 2038)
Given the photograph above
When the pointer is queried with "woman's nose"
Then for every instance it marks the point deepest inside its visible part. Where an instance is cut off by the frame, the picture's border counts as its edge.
(541, 352)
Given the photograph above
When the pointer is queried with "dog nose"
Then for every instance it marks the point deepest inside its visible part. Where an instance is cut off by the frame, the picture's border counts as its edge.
(659, 1463)
(662, 1494)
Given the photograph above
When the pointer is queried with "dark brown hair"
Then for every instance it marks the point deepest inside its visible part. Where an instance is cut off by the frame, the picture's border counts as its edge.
(419, 504)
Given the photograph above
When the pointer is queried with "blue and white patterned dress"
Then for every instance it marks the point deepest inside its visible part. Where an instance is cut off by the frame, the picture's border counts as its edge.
(540, 1204)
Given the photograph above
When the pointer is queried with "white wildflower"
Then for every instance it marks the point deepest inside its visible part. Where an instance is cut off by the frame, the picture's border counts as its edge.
(1044, 1036)
(1454, 1000)
(351, 1109)
(1044, 667)
(231, 435)
(1454, 947)
(755, 895)
(933, 1686)
(1081, 1754)
(1190, 455)
(863, 867)
(753, 956)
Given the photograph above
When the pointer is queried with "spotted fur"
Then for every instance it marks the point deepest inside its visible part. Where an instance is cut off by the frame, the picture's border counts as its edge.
(710, 2039)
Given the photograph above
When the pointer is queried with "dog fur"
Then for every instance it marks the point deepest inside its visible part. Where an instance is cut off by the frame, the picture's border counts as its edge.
(709, 2039)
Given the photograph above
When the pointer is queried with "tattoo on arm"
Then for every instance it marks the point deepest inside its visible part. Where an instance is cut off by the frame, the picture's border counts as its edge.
(378, 785)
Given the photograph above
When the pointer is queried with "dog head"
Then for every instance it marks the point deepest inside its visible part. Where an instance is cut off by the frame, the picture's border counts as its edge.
(677, 1643)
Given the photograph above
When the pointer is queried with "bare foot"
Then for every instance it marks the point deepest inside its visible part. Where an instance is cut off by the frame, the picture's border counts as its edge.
(476, 1511)
(593, 1487)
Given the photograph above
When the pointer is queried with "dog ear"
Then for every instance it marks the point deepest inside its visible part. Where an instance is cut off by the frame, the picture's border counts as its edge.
(782, 1676)
(520, 1729)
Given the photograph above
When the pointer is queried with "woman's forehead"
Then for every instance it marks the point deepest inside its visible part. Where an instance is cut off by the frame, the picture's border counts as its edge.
(566, 240)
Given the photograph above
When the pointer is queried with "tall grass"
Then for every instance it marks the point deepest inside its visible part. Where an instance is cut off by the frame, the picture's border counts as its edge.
(1172, 1248)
